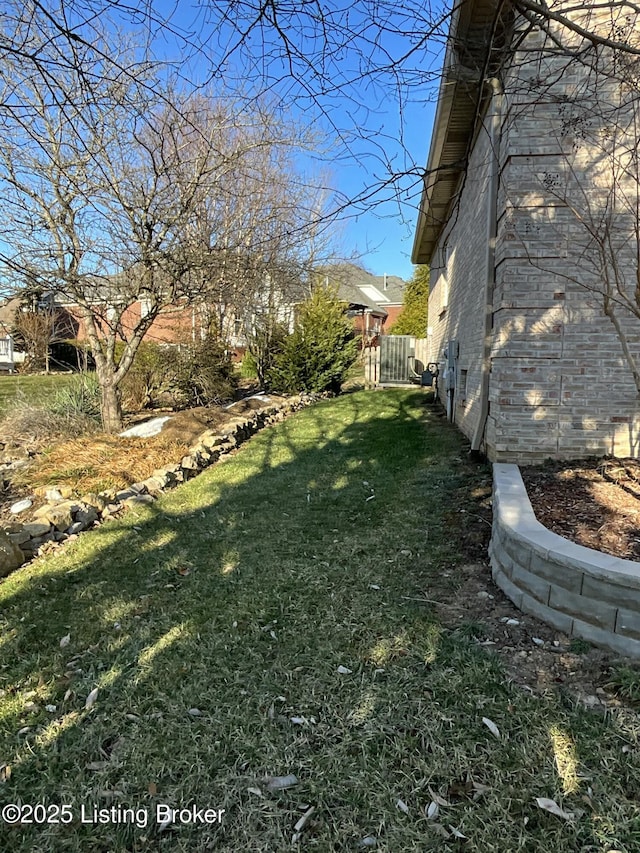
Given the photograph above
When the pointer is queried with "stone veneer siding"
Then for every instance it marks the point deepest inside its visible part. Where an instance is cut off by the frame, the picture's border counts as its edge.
(576, 590)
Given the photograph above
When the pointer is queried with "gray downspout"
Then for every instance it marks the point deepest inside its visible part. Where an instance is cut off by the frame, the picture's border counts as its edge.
(494, 176)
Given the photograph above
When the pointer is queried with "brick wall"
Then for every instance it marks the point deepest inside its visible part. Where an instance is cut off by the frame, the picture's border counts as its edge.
(560, 385)
(458, 289)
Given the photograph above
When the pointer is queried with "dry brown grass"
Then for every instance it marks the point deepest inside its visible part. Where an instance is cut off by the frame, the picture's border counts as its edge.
(32, 424)
(101, 462)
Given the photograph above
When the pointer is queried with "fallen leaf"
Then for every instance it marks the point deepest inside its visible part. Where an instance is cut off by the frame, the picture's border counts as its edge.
(368, 841)
(5, 772)
(457, 832)
(298, 721)
(97, 765)
(479, 789)
(437, 798)
(302, 822)
(537, 641)
(255, 791)
(51, 708)
(279, 783)
(495, 731)
(64, 642)
(153, 789)
(459, 789)
(432, 811)
(164, 824)
(344, 671)
(552, 807)
(195, 712)
(402, 806)
(91, 699)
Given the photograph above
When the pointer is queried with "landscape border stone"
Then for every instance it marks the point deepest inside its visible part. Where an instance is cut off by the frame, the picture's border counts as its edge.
(579, 591)
(21, 542)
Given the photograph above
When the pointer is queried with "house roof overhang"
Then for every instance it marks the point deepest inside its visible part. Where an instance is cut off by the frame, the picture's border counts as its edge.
(361, 307)
(460, 103)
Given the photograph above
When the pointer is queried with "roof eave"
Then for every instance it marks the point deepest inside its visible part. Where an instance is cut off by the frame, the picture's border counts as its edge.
(453, 128)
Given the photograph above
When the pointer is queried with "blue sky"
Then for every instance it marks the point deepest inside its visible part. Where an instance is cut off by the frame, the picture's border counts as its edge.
(379, 120)
(384, 234)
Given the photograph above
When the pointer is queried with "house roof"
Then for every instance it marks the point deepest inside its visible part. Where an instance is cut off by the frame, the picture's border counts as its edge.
(364, 291)
(474, 50)
(8, 312)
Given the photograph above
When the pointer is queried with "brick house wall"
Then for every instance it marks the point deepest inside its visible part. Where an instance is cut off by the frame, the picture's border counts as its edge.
(559, 385)
(457, 292)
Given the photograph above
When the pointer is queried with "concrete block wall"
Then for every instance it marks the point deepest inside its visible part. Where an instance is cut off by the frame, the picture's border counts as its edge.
(578, 591)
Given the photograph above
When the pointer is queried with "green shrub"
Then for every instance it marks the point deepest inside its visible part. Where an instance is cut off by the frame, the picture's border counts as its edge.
(266, 342)
(248, 367)
(319, 353)
(205, 374)
(414, 316)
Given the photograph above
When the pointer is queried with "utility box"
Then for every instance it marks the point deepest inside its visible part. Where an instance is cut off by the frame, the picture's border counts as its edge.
(395, 354)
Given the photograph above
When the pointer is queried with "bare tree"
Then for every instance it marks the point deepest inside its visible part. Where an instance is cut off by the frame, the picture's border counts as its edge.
(38, 327)
(573, 204)
(338, 63)
(104, 188)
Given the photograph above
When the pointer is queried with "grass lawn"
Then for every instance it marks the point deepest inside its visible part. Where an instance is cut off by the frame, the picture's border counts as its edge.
(261, 621)
(30, 388)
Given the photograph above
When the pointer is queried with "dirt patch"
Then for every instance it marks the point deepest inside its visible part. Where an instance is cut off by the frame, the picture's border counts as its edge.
(537, 657)
(188, 425)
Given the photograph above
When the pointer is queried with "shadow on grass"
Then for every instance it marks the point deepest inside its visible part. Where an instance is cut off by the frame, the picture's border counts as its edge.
(210, 620)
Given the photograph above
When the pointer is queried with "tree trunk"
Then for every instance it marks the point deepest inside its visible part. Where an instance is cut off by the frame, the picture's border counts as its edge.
(111, 408)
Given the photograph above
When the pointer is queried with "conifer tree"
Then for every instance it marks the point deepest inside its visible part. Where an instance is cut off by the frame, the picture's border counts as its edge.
(413, 318)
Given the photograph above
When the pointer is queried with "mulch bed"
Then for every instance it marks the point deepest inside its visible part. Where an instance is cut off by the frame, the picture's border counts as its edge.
(593, 502)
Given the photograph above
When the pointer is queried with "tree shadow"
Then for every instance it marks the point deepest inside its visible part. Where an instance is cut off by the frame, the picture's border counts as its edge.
(206, 606)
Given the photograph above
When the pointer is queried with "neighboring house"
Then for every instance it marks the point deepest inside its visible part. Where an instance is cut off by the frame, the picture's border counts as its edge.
(519, 200)
(189, 320)
(374, 301)
(9, 356)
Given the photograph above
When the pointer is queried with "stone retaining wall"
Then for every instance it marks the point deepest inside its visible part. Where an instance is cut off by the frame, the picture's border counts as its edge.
(581, 592)
(63, 516)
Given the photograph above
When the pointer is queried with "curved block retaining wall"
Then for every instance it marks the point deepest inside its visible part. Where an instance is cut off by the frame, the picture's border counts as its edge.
(581, 592)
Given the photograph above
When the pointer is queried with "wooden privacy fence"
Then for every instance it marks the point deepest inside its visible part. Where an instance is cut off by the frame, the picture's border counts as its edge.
(397, 360)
